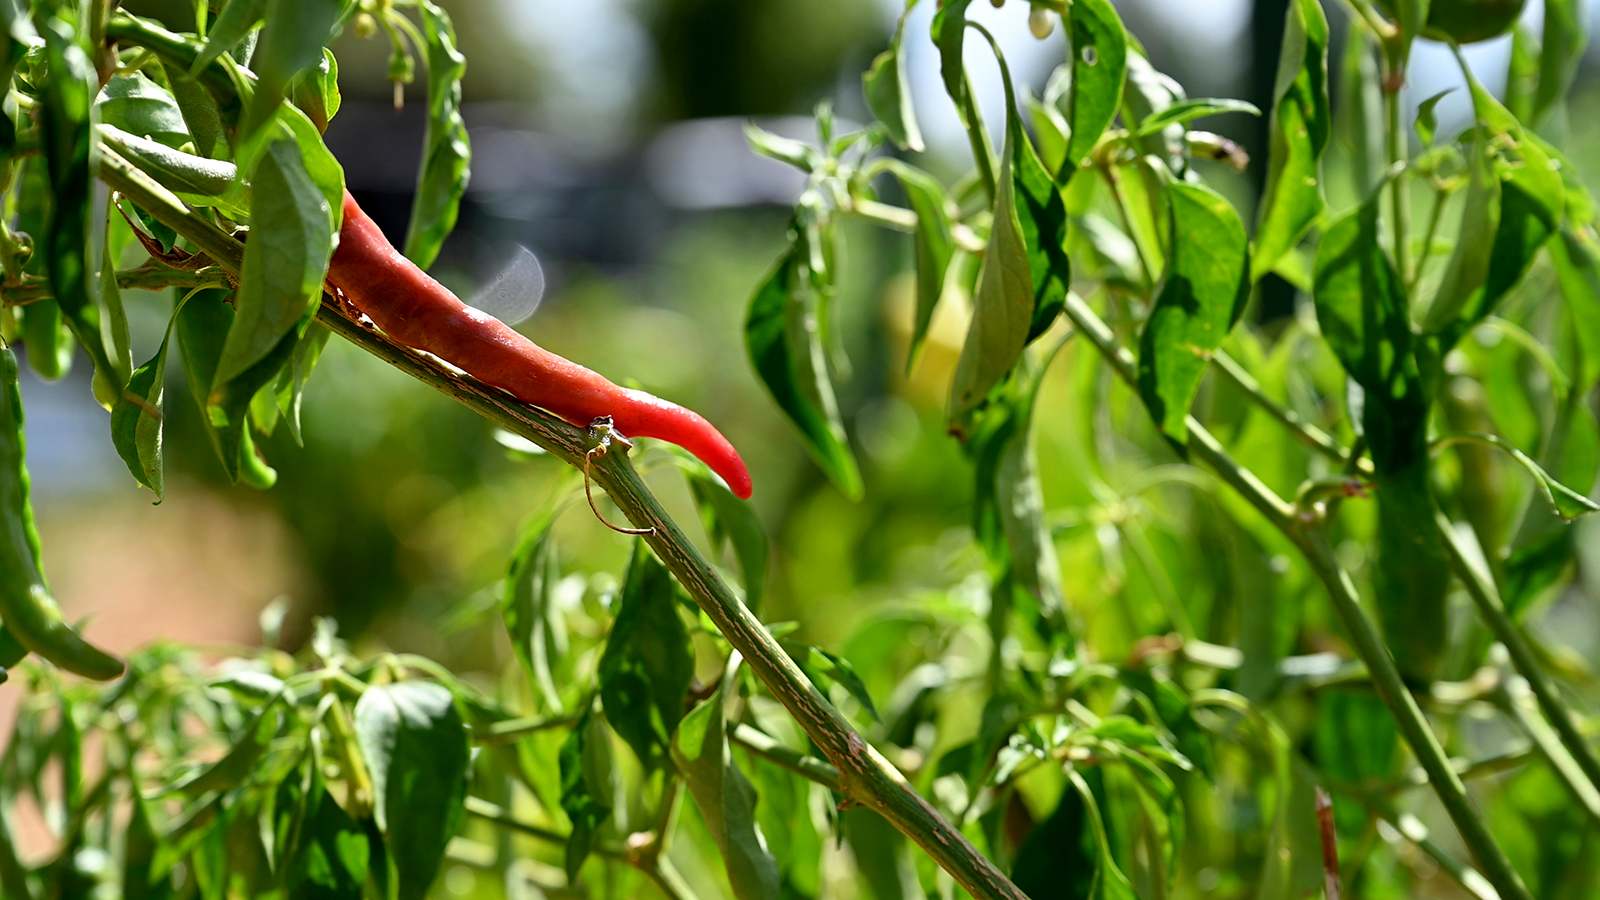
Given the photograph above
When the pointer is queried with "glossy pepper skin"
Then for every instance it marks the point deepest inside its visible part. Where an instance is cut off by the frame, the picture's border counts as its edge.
(29, 612)
(423, 314)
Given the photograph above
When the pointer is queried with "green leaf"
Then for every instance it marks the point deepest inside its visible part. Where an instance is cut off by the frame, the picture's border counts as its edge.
(781, 334)
(784, 815)
(1514, 203)
(446, 149)
(139, 106)
(1008, 509)
(888, 90)
(1427, 123)
(1360, 302)
(203, 326)
(1003, 307)
(1099, 64)
(824, 668)
(292, 380)
(1564, 501)
(586, 786)
(291, 43)
(140, 845)
(538, 635)
(114, 325)
(239, 761)
(1146, 93)
(799, 154)
(933, 244)
(1058, 860)
(1109, 881)
(332, 859)
(284, 260)
(949, 31)
(728, 519)
(316, 93)
(198, 107)
(1565, 36)
(1535, 566)
(64, 125)
(1189, 110)
(136, 420)
(1202, 296)
(233, 24)
(1578, 270)
(726, 800)
(417, 752)
(1299, 134)
(648, 661)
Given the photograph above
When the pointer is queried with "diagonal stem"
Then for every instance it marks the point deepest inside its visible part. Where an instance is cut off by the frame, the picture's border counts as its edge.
(865, 776)
(1313, 543)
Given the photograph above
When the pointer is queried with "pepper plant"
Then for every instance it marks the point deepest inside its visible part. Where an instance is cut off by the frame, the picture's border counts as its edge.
(1419, 428)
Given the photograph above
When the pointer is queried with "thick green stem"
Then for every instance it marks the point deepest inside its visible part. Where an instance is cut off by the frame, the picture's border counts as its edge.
(1313, 542)
(1487, 598)
(1304, 431)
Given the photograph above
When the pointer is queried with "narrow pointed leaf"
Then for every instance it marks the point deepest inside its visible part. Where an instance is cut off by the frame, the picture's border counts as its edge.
(1299, 133)
(888, 90)
(781, 334)
(446, 150)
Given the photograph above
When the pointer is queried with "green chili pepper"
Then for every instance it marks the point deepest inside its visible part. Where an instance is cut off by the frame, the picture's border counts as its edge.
(30, 613)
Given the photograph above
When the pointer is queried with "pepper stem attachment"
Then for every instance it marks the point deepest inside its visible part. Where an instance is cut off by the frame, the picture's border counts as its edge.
(603, 434)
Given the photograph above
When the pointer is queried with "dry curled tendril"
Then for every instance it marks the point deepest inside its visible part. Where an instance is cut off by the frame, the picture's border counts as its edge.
(602, 434)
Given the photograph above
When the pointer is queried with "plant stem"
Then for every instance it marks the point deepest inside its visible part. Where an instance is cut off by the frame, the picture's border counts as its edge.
(867, 778)
(148, 277)
(1395, 136)
(1313, 543)
(512, 730)
(763, 745)
(1307, 433)
(1548, 745)
(483, 809)
(1487, 598)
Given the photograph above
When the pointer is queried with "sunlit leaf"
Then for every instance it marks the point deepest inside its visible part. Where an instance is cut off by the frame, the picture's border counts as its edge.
(1099, 64)
(1202, 296)
(1298, 132)
(1188, 110)
(446, 148)
(416, 750)
(888, 90)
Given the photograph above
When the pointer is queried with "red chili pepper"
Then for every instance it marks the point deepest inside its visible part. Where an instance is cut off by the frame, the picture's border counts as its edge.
(423, 314)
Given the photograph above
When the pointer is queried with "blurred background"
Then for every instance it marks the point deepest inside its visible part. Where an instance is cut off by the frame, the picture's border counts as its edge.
(606, 138)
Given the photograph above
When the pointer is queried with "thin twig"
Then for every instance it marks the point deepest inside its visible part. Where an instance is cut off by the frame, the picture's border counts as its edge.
(1331, 888)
